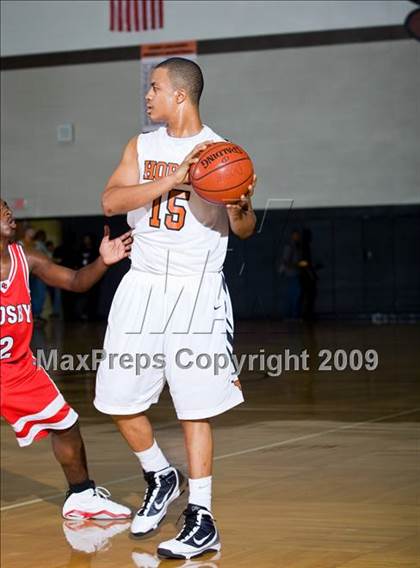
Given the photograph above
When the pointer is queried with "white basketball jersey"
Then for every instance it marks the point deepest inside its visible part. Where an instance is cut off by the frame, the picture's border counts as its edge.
(179, 233)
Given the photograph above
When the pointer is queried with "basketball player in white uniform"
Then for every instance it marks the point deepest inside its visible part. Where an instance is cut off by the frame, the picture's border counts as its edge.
(172, 306)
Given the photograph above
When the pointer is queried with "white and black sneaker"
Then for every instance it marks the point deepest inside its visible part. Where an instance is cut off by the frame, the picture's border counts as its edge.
(163, 487)
(198, 535)
(146, 560)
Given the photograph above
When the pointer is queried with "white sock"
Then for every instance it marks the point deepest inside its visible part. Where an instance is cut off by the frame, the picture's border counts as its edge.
(152, 459)
(200, 492)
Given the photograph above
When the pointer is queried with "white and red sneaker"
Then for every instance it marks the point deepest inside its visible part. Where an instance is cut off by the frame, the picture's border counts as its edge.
(94, 503)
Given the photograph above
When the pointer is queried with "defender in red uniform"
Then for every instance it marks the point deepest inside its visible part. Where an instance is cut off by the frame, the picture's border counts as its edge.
(30, 401)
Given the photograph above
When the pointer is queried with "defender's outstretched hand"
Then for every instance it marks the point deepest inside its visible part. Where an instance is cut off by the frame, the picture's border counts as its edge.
(182, 173)
(114, 250)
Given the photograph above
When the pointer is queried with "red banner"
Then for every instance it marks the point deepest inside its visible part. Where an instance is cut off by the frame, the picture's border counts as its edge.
(135, 15)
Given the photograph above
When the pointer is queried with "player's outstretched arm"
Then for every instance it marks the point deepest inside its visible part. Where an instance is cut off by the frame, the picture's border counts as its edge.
(242, 219)
(123, 192)
(111, 251)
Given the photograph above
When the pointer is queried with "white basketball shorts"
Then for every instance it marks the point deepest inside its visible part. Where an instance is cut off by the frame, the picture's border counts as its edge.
(177, 329)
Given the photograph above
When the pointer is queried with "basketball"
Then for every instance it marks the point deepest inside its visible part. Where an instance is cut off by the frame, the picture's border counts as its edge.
(222, 174)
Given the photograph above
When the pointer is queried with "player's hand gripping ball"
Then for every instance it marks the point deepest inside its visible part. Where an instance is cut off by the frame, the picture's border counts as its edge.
(222, 174)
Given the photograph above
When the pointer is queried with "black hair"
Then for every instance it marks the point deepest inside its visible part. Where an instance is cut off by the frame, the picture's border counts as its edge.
(40, 235)
(185, 73)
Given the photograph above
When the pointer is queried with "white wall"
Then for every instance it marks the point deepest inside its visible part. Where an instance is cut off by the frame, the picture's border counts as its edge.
(33, 26)
(326, 126)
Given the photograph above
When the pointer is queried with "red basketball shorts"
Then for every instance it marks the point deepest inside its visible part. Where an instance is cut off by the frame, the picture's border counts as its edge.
(33, 406)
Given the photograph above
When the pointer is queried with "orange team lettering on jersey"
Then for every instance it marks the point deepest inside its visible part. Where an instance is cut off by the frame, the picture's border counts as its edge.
(178, 232)
(156, 170)
(175, 218)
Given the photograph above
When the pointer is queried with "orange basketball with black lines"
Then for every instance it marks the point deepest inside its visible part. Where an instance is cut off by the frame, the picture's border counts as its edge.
(222, 174)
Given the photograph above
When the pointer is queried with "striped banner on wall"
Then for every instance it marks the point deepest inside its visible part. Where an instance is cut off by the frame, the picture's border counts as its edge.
(135, 15)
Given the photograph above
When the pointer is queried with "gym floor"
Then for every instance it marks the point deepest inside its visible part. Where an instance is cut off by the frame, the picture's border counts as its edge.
(318, 469)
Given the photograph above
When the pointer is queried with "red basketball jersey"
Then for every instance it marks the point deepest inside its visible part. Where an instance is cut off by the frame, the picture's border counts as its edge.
(16, 359)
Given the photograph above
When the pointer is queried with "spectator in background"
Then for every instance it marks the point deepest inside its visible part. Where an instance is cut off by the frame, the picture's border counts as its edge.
(40, 241)
(86, 304)
(50, 248)
(308, 277)
(87, 251)
(296, 265)
(28, 238)
(38, 288)
(37, 293)
(289, 268)
(64, 255)
(54, 293)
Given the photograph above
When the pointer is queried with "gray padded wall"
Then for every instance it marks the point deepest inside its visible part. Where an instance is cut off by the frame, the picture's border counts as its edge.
(326, 126)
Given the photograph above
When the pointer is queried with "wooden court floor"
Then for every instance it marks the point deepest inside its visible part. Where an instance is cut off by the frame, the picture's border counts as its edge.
(318, 469)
